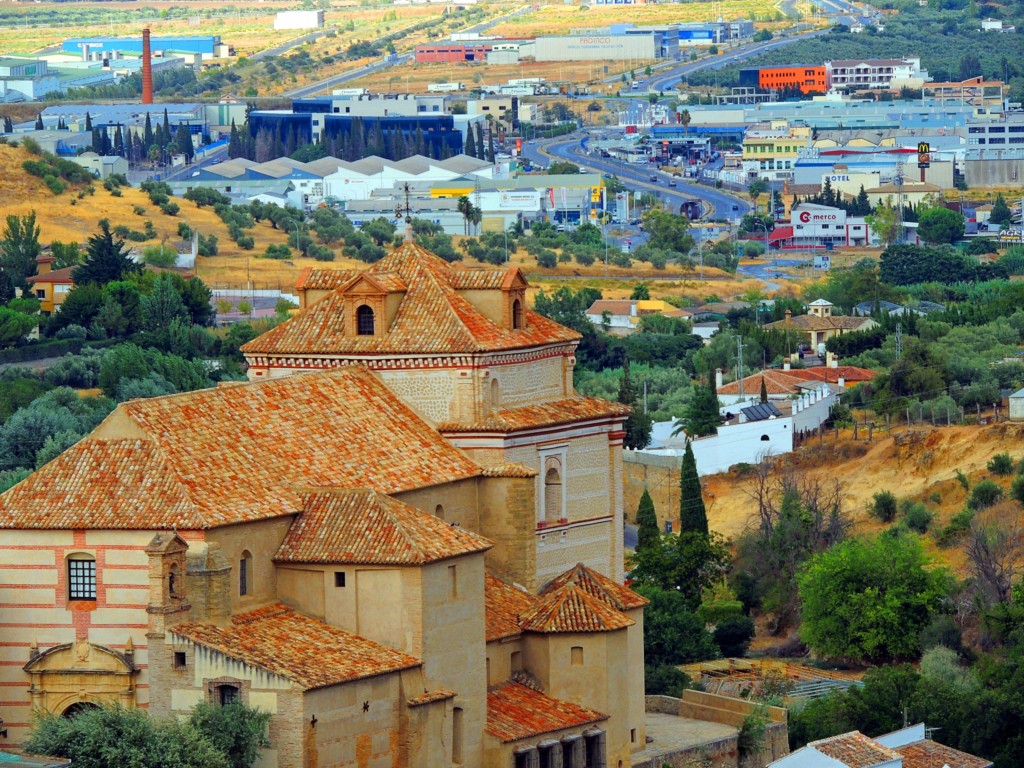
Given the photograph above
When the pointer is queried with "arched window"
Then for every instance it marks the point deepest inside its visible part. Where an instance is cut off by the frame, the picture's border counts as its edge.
(245, 573)
(78, 708)
(764, 439)
(518, 321)
(227, 694)
(81, 577)
(364, 321)
(495, 393)
(439, 512)
(552, 494)
(175, 586)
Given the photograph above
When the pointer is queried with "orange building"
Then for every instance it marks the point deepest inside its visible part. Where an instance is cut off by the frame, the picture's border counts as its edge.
(807, 79)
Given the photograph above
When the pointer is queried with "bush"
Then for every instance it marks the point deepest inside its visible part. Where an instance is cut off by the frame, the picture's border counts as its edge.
(72, 331)
(138, 210)
(184, 231)
(959, 524)
(171, 209)
(1001, 464)
(916, 515)
(883, 506)
(665, 680)
(547, 259)
(985, 494)
(733, 636)
(275, 251)
(942, 631)
(54, 184)
(1017, 489)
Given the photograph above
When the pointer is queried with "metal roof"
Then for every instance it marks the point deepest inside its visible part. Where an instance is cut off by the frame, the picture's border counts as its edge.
(760, 412)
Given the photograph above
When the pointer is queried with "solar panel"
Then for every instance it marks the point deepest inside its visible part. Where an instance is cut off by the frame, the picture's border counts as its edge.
(760, 412)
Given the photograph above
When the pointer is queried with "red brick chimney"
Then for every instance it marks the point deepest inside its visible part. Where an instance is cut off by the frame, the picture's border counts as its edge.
(147, 69)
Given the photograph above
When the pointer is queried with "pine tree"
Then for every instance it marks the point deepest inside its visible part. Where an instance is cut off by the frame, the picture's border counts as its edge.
(646, 522)
(863, 207)
(638, 425)
(234, 142)
(764, 391)
(88, 122)
(106, 259)
(1000, 212)
(693, 518)
(39, 121)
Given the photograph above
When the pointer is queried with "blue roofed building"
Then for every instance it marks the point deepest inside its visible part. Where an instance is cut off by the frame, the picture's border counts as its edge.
(207, 46)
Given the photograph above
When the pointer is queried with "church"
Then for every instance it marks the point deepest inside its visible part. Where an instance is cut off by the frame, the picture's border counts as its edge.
(402, 538)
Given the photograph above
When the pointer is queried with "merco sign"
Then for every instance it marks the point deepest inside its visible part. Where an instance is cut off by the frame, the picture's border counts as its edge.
(815, 218)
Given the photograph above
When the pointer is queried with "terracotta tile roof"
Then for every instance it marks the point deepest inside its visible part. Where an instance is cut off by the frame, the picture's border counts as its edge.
(516, 712)
(388, 282)
(432, 318)
(570, 608)
(618, 596)
(776, 382)
(855, 750)
(823, 373)
(363, 526)
(476, 279)
(234, 454)
(931, 754)
(53, 276)
(566, 411)
(612, 307)
(429, 697)
(325, 279)
(509, 469)
(814, 323)
(504, 603)
(307, 651)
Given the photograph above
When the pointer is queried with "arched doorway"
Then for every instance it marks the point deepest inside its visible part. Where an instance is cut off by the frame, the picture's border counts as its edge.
(78, 708)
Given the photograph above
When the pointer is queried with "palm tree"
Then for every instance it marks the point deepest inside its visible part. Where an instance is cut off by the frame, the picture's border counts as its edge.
(464, 207)
(684, 118)
(757, 188)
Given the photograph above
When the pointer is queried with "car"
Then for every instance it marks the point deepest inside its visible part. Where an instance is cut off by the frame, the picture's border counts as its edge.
(671, 182)
(735, 207)
(654, 178)
(634, 222)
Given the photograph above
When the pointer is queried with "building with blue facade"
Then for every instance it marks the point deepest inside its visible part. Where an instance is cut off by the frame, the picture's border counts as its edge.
(206, 46)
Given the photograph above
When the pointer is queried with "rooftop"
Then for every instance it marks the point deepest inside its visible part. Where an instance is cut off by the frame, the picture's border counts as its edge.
(302, 649)
(566, 411)
(569, 609)
(516, 712)
(504, 604)
(619, 596)
(366, 527)
(931, 754)
(432, 317)
(855, 750)
(235, 454)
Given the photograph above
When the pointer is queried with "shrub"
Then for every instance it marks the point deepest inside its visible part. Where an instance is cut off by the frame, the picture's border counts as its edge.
(959, 524)
(942, 631)
(170, 208)
(665, 680)
(1001, 464)
(275, 251)
(184, 231)
(138, 210)
(71, 331)
(54, 184)
(985, 494)
(883, 506)
(547, 259)
(733, 636)
(916, 515)
(962, 479)
(245, 242)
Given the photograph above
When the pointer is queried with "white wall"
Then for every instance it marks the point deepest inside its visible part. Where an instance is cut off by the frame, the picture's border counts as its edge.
(735, 444)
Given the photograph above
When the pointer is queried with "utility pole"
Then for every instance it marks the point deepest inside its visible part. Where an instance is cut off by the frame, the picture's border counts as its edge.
(739, 364)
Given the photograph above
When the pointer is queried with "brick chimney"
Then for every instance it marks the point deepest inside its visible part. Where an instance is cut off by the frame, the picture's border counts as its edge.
(147, 69)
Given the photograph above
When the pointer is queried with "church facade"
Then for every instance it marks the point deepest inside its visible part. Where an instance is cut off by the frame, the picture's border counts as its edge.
(368, 564)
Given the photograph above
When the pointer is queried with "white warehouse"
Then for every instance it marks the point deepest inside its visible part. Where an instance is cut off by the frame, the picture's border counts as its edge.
(299, 20)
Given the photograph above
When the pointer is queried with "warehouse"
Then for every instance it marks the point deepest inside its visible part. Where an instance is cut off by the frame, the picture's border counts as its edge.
(299, 20)
(207, 46)
(598, 47)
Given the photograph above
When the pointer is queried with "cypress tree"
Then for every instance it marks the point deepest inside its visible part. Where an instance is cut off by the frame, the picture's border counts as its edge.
(234, 142)
(693, 518)
(764, 391)
(147, 134)
(646, 522)
(638, 425)
(39, 121)
(481, 151)
(8, 125)
(88, 122)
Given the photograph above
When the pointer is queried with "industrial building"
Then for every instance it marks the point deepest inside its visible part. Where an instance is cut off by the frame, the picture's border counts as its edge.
(30, 79)
(299, 20)
(596, 47)
(806, 79)
(452, 52)
(207, 46)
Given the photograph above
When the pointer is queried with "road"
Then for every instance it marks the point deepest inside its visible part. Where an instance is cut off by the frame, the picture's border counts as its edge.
(638, 177)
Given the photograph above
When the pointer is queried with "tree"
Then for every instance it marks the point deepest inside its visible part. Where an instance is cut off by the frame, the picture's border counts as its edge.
(14, 325)
(380, 230)
(970, 66)
(868, 600)
(235, 730)
(672, 632)
(688, 563)
(685, 119)
(20, 248)
(646, 522)
(700, 417)
(764, 391)
(563, 167)
(884, 224)
(106, 259)
(640, 292)
(465, 207)
(162, 306)
(160, 255)
(693, 517)
(1000, 212)
(755, 189)
(940, 226)
(638, 424)
(668, 231)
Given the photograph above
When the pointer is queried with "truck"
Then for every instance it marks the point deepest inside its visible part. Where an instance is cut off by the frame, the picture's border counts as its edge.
(350, 92)
(444, 87)
(526, 81)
